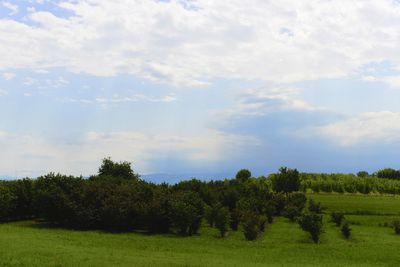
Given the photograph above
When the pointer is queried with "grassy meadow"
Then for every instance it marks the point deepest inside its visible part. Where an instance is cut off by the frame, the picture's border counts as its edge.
(30, 243)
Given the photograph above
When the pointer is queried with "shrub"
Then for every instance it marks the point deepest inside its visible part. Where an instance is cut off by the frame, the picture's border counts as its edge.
(270, 211)
(209, 214)
(337, 218)
(396, 226)
(222, 220)
(287, 180)
(314, 206)
(263, 222)
(251, 225)
(292, 213)
(235, 220)
(346, 231)
(186, 213)
(311, 223)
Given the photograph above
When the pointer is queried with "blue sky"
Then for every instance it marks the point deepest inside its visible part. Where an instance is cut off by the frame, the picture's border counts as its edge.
(199, 88)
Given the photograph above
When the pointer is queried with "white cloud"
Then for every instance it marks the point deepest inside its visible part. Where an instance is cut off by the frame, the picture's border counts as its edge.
(8, 76)
(13, 8)
(122, 99)
(3, 92)
(380, 126)
(189, 44)
(41, 155)
(266, 100)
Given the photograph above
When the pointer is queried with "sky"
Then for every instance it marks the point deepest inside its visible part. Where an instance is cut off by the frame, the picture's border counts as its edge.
(185, 88)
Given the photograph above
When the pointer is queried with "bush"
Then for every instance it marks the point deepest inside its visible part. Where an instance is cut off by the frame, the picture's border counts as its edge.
(235, 220)
(251, 225)
(222, 220)
(270, 211)
(311, 223)
(243, 175)
(314, 207)
(346, 231)
(209, 214)
(287, 180)
(292, 213)
(396, 226)
(337, 218)
(187, 210)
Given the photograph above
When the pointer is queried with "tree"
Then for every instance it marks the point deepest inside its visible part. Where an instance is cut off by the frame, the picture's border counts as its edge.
(362, 174)
(388, 173)
(314, 206)
(117, 169)
(187, 210)
(287, 180)
(337, 218)
(346, 230)
(243, 175)
(222, 218)
(311, 223)
(251, 225)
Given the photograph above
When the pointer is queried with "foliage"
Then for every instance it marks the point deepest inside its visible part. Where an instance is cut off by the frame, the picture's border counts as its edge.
(347, 183)
(251, 225)
(117, 169)
(314, 206)
(222, 218)
(388, 173)
(311, 223)
(396, 226)
(337, 218)
(346, 230)
(287, 180)
(187, 210)
(243, 175)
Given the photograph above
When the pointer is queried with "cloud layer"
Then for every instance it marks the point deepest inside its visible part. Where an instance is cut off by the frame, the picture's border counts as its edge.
(191, 42)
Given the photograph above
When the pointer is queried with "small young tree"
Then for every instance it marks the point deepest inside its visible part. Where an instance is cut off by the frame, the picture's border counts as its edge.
(243, 175)
(251, 225)
(314, 207)
(209, 214)
(311, 223)
(222, 218)
(396, 226)
(346, 230)
(287, 180)
(337, 218)
(292, 213)
(270, 211)
(235, 219)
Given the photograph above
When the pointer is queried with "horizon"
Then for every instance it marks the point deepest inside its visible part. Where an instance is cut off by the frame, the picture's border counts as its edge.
(199, 87)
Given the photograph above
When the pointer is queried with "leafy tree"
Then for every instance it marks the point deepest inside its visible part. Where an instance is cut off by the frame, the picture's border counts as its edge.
(314, 206)
(187, 210)
(311, 223)
(251, 225)
(362, 174)
(222, 218)
(235, 219)
(388, 173)
(287, 180)
(243, 175)
(117, 169)
(337, 218)
(396, 226)
(346, 230)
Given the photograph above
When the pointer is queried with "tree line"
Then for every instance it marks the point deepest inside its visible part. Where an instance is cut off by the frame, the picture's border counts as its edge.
(117, 200)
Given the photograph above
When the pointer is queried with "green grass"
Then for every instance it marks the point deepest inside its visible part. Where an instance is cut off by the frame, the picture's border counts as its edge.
(359, 204)
(283, 244)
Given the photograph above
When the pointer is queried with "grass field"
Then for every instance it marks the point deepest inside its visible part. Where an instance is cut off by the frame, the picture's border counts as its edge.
(283, 244)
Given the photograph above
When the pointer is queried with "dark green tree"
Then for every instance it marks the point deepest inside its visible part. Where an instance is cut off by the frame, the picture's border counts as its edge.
(243, 175)
(287, 180)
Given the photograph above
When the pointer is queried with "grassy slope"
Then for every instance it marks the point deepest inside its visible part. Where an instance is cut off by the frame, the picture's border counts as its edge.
(25, 243)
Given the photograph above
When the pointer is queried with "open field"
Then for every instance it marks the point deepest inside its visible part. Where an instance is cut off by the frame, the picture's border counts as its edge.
(283, 244)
